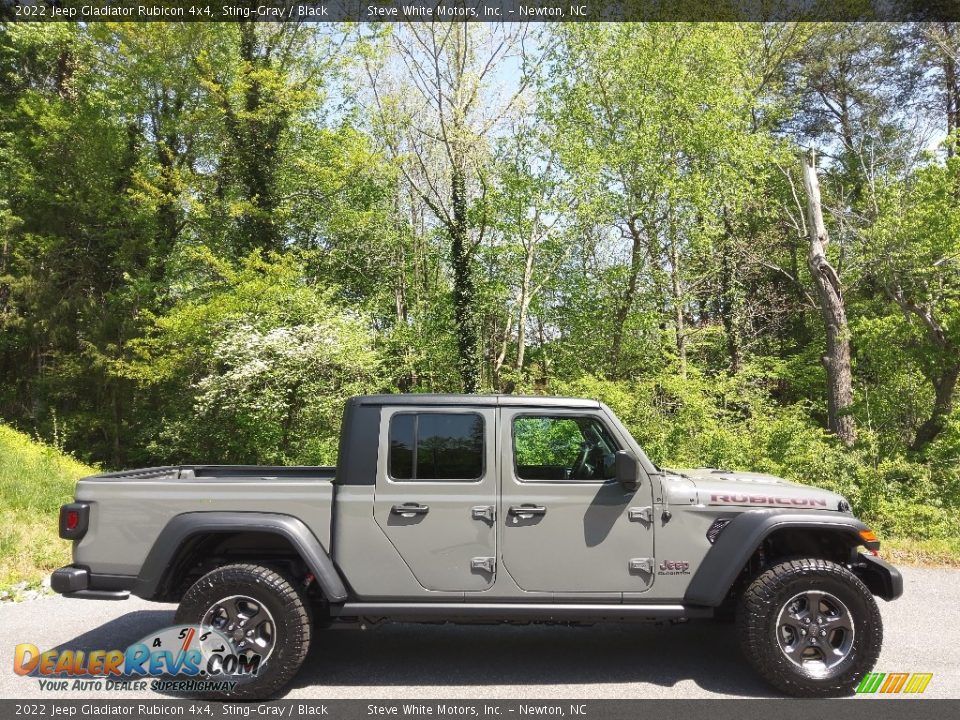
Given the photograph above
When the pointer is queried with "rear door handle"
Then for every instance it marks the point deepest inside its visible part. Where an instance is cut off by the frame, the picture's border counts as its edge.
(410, 509)
(527, 511)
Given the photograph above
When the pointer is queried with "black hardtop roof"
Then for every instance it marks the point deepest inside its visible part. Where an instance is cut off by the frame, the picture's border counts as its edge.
(476, 400)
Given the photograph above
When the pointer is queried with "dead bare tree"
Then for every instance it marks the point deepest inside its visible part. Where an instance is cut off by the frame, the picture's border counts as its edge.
(832, 311)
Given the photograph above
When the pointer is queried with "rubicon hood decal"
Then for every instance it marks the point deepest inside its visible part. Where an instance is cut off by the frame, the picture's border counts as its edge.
(726, 487)
(730, 499)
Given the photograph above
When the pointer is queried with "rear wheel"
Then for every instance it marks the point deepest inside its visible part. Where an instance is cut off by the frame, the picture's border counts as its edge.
(261, 613)
(810, 627)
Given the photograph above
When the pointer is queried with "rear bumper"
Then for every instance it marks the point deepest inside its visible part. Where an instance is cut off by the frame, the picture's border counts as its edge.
(78, 582)
(882, 578)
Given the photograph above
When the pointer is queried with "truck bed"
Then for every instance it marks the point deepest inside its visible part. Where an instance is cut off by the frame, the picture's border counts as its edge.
(129, 509)
(186, 473)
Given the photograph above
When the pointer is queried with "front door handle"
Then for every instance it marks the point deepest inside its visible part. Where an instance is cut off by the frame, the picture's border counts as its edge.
(527, 511)
(408, 510)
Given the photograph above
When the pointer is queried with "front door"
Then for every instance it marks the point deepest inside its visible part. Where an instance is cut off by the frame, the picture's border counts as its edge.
(436, 494)
(568, 526)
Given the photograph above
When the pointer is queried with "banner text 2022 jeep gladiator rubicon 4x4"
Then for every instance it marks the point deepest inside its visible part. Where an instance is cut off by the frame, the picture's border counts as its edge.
(485, 509)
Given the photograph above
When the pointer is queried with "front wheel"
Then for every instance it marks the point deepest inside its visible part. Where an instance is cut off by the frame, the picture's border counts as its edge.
(810, 627)
(260, 612)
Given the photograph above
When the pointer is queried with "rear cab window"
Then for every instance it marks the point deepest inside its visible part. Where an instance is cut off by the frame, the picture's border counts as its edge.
(428, 446)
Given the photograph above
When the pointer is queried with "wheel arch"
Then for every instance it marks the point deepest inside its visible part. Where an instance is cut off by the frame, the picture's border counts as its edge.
(746, 534)
(171, 552)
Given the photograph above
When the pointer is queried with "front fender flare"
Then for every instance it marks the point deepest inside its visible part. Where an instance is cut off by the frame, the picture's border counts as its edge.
(738, 541)
(182, 527)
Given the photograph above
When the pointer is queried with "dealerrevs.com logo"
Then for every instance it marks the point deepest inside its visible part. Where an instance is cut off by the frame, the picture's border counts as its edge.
(181, 658)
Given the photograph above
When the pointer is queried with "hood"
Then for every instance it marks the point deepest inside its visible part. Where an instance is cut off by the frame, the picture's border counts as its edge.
(749, 489)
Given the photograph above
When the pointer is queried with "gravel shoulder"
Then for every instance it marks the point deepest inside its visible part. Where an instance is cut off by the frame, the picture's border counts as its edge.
(689, 660)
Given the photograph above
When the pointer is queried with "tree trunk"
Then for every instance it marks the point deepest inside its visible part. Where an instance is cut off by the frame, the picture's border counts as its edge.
(731, 300)
(626, 302)
(4, 287)
(676, 292)
(501, 357)
(116, 427)
(944, 387)
(169, 159)
(66, 68)
(255, 133)
(525, 296)
(952, 88)
(953, 101)
(543, 382)
(463, 286)
(837, 359)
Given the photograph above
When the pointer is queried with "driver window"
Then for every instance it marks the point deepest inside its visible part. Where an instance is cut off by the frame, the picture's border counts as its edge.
(562, 447)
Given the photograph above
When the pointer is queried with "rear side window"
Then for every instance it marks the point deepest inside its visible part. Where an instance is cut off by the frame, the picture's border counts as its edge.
(436, 446)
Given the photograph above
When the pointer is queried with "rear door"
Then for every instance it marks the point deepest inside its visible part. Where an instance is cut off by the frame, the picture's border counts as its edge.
(567, 525)
(436, 494)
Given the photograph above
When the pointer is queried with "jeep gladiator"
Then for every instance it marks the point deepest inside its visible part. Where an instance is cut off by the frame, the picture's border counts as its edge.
(499, 508)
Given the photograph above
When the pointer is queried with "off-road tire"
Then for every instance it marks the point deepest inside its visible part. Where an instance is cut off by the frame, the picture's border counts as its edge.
(291, 621)
(760, 607)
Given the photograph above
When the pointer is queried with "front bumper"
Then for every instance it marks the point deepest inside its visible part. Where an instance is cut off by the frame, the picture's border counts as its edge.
(882, 578)
(78, 582)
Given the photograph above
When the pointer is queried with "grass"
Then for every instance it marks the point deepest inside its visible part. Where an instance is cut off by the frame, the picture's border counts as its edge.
(35, 479)
(906, 551)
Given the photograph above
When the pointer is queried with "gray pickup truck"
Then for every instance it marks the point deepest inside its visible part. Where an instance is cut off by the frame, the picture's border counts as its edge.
(486, 509)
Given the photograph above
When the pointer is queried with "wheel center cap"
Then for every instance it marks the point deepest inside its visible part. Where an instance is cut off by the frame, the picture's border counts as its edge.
(237, 635)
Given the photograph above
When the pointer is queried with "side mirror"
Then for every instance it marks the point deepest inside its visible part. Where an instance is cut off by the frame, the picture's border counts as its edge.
(627, 470)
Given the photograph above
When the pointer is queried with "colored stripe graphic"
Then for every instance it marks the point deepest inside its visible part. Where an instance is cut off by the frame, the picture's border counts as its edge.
(870, 682)
(892, 683)
(918, 682)
(895, 682)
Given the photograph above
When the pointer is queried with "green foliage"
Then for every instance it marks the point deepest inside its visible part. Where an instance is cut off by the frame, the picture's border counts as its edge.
(213, 234)
(893, 394)
(35, 479)
(262, 358)
(546, 441)
(916, 245)
(731, 422)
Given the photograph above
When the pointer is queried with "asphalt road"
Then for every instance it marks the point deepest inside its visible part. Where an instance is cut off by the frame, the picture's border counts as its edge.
(690, 660)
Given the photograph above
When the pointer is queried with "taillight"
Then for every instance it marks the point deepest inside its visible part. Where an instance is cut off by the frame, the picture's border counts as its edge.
(74, 518)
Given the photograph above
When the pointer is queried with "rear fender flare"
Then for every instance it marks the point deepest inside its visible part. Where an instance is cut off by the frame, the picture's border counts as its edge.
(187, 525)
(727, 557)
